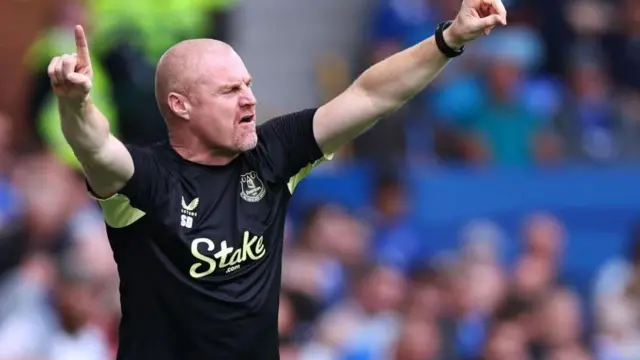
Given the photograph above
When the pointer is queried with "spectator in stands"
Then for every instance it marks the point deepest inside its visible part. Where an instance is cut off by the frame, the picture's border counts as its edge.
(519, 314)
(473, 290)
(503, 130)
(330, 242)
(396, 242)
(23, 283)
(561, 327)
(483, 240)
(544, 237)
(622, 48)
(57, 216)
(537, 269)
(533, 277)
(53, 196)
(506, 340)
(591, 124)
(425, 298)
(616, 297)
(367, 323)
(59, 326)
(590, 21)
(287, 320)
(423, 124)
(418, 340)
(487, 280)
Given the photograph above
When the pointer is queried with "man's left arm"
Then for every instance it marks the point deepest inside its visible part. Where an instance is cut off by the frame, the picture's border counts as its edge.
(389, 84)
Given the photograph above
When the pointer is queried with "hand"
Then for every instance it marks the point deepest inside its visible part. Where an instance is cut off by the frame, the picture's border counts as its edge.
(476, 17)
(70, 74)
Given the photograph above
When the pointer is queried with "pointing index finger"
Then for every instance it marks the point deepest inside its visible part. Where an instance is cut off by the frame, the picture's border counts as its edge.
(82, 47)
(500, 9)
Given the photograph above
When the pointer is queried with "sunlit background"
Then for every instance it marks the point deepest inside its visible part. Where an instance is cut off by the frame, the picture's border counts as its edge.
(494, 217)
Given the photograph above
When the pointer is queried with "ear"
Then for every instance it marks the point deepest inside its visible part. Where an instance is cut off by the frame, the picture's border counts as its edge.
(179, 105)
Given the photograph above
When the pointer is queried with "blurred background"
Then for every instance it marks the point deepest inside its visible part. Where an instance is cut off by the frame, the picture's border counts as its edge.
(493, 217)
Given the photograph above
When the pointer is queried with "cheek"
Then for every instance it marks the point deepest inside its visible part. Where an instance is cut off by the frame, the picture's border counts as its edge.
(226, 113)
(216, 120)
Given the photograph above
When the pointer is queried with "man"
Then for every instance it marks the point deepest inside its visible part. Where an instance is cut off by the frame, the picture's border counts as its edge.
(196, 224)
(55, 321)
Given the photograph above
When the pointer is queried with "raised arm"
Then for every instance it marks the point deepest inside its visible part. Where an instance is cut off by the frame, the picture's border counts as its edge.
(105, 160)
(387, 85)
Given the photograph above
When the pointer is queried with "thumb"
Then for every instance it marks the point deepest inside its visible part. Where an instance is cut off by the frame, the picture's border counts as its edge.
(80, 80)
(490, 21)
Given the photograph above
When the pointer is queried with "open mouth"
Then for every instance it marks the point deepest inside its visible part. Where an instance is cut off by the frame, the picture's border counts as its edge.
(246, 119)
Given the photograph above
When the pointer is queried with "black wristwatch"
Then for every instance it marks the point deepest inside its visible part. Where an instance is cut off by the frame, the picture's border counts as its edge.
(447, 50)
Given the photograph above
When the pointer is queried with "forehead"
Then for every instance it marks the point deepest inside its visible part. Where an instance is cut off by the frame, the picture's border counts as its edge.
(222, 69)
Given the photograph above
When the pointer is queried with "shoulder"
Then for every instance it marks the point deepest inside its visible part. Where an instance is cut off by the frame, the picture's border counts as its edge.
(280, 133)
(158, 156)
(155, 150)
(278, 123)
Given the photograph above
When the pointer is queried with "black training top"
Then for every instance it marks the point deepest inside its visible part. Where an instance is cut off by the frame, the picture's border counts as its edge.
(199, 248)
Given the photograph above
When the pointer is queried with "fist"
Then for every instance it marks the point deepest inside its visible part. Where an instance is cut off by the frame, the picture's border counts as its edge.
(475, 18)
(71, 75)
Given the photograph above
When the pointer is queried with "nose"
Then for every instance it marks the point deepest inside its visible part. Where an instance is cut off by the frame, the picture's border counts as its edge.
(248, 99)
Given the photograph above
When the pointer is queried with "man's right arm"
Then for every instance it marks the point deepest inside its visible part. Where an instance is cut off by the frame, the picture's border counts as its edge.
(106, 162)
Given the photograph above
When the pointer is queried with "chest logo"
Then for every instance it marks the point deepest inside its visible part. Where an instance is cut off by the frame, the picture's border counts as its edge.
(226, 259)
(188, 212)
(252, 188)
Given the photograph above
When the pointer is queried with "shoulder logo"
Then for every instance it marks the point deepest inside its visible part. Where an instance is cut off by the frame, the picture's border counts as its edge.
(188, 212)
(252, 188)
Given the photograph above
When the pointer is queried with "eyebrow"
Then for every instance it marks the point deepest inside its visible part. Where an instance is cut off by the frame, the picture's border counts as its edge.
(229, 86)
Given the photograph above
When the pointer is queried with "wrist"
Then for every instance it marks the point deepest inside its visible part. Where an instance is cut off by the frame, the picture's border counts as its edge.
(73, 103)
(452, 37)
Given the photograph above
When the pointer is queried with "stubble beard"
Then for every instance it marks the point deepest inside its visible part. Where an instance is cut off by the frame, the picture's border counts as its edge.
(247, 141)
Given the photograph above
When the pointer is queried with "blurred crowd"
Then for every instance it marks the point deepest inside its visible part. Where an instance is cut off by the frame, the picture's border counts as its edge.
(365, 287)
(560, 84)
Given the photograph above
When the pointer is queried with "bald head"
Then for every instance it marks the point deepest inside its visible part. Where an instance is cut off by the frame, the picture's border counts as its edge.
(180, 68)
(204, 93)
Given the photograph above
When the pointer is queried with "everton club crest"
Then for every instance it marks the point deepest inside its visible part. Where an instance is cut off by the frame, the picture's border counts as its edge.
(252, 188)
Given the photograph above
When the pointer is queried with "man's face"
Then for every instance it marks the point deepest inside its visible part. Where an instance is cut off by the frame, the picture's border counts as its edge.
(223, 106)
(561, 319)
(75, 303)
(506, 341)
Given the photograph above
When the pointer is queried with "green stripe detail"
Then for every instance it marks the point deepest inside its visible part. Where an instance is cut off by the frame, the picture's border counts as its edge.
(297, 178)
(118, 212)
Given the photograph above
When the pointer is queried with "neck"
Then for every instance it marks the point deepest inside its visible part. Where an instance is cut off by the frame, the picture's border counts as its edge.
(195, 151)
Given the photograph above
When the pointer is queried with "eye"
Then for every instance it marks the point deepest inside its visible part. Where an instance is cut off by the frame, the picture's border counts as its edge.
(233, 89)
